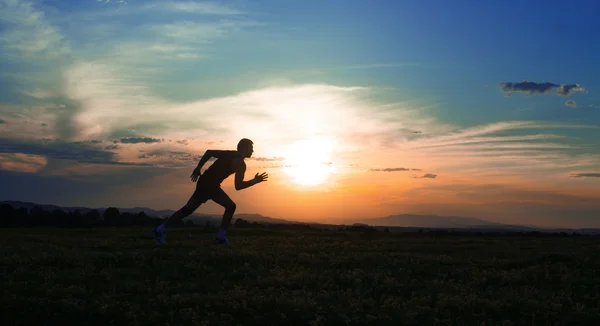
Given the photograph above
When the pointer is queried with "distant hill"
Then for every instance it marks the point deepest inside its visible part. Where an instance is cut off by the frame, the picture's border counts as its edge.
(197, 218)
(400, 222)
(428, 221)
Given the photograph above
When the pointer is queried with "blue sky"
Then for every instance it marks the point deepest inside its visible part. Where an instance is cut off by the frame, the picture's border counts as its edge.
(390, 83)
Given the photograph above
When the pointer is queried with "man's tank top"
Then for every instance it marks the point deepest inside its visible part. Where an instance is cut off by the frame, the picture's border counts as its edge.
(218, 171)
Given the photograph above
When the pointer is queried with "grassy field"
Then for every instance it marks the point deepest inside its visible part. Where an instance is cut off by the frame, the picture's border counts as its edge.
(121, 277)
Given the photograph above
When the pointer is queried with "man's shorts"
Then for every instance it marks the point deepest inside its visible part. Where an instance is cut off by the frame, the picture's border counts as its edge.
(205, 192)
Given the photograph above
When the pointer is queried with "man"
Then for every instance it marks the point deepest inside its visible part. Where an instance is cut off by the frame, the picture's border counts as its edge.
(209, 186)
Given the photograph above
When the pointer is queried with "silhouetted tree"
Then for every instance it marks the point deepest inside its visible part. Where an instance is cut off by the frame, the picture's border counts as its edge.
(93, 217)
(240, 222)
(59, 218)
(7, 216)
(22, 215)
(112, 216)
(76, 219)
(40, 217)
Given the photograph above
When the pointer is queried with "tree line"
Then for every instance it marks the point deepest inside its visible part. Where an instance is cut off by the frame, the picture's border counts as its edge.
(21, 217)
(38, 217)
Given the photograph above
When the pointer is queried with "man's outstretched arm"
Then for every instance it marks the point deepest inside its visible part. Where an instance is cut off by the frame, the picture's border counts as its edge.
(240, 170)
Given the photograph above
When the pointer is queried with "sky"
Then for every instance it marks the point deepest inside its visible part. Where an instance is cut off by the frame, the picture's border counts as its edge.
(357, 109)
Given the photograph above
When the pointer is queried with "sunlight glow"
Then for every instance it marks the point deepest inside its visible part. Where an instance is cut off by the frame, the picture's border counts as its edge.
(308, 161)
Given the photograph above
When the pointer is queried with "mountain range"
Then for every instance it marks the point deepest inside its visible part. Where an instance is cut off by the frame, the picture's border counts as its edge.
(404, 221)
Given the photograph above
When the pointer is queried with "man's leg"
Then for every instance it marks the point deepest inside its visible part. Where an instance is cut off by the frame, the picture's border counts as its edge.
(221, 198)
(193, 203)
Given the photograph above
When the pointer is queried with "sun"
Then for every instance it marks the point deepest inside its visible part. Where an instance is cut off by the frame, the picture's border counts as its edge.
(308, 161)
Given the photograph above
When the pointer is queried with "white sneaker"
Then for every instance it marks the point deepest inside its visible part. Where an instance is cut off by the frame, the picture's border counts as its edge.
(158, 235)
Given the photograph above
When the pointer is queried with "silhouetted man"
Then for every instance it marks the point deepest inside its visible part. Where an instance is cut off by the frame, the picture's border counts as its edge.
(209, 186)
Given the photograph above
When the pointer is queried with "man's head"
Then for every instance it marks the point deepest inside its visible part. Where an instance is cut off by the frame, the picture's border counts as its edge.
(245, 147)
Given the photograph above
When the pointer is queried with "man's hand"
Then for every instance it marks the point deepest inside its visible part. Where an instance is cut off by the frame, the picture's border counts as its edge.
(195, 174)
(260, 178)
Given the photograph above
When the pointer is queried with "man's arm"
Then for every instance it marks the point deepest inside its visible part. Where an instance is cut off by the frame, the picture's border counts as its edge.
(211, 153)
(240, 170)
(207, 155)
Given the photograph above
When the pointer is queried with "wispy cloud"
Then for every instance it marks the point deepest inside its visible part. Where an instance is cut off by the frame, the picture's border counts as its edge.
(571, 103)
(137, 140)
(28, 32)
(393, 170)
(585, 175)
(192, 7)
(377, 66)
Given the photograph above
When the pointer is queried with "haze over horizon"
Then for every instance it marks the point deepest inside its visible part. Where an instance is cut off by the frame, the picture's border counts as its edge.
(487, 110)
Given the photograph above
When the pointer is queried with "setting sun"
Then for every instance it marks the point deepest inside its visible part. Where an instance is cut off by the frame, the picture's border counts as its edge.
(308, 162)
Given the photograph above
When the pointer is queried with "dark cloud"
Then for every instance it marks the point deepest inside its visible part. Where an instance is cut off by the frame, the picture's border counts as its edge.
(2, 122)
(393, 170)
(426, 176)
(112, 147)
(182, 142)
(566, 90)
(571, 103)
(137, 140)
(169, 156)
(533, 88)
(89, 142)
(76, 151)
(585, 175)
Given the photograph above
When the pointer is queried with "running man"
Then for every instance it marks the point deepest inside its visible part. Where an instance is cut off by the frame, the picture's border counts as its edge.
(209, 186)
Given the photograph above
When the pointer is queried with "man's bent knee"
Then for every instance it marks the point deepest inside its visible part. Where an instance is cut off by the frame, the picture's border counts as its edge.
(231, 207)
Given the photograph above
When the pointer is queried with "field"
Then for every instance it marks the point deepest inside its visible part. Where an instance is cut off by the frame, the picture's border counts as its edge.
(119, 276)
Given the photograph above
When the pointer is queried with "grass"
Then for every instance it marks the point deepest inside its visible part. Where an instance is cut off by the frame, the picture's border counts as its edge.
(121, 277)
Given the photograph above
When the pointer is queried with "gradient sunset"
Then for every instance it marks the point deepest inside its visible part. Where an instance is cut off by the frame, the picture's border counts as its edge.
(357, 109)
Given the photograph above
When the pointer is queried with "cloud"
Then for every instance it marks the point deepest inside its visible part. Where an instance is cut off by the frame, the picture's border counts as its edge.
(40, 93)
(534, 88)
(198, 8)
(19, 162)
(381, 65)
(426, 176)
(571, 103)
(2, 122)
(585, 175)
(184, 142)
(28, 32)
(72, 151)
(391, 170)
(192, 34)
(137, 140)
(107, 108)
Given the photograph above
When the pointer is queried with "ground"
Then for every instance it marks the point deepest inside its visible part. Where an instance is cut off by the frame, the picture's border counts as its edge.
(119, 276)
